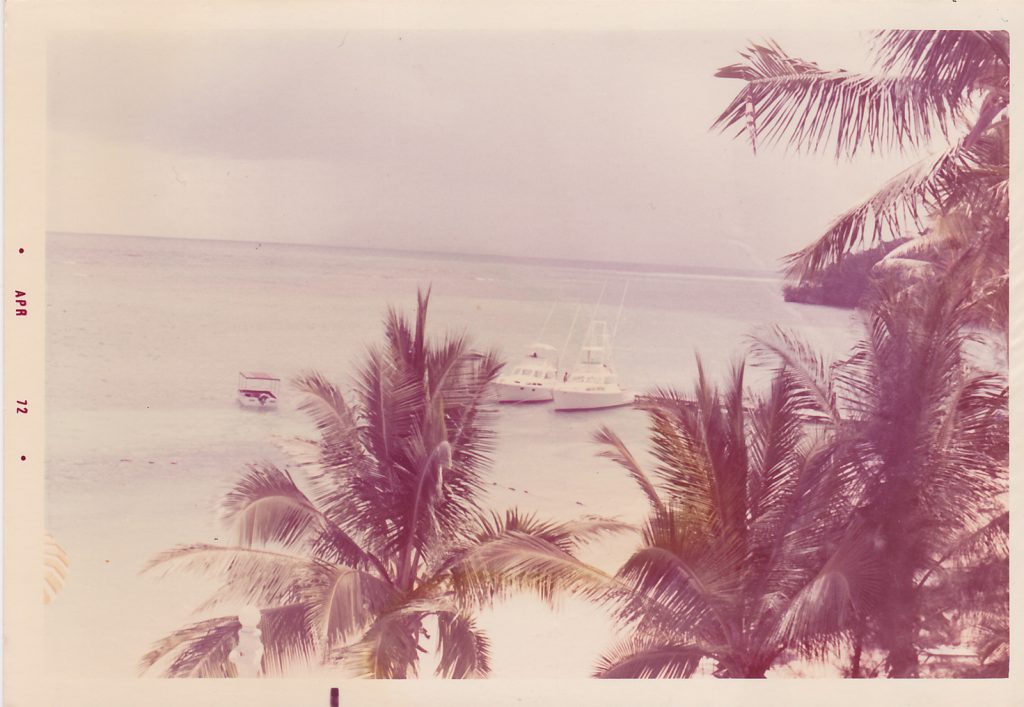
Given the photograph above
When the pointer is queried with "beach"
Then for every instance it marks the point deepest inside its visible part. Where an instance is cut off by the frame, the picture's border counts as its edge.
(145, 338)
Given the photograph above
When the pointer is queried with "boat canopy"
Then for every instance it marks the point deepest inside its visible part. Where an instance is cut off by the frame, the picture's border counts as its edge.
(258, 375)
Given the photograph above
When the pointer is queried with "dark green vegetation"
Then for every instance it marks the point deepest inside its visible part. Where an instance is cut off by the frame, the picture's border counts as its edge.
(857, 510)
(892, 463)
(854, 507)
(843, 284)
(929, 84)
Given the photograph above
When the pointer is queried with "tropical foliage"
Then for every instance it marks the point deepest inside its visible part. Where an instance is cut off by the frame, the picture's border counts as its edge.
(928, 438)
(938, 87)
(843, 284)
(384, 536)
(925, 426)
(733, 564)
(857, 504)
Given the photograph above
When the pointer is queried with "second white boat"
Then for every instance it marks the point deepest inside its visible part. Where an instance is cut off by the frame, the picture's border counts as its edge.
(592, 383)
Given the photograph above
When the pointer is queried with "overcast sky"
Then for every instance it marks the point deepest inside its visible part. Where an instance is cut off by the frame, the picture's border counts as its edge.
(587, 145)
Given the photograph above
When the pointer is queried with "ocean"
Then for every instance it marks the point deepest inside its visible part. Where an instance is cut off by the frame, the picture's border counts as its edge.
(145, 337)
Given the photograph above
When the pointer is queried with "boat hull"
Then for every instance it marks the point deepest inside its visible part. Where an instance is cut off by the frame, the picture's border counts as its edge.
(568, 399)
(509, 392)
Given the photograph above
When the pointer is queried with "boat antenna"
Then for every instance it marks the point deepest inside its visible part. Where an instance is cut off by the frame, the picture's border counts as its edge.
(600, 297)
(568, 337)
(615, 329)
(544, 328)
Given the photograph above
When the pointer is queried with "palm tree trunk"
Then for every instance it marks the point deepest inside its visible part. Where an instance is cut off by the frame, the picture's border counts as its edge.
(858, 645)
(902, 658)
(745, 668)
(900, 636)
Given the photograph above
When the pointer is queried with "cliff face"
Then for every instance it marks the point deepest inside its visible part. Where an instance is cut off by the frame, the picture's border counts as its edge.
(844, 284)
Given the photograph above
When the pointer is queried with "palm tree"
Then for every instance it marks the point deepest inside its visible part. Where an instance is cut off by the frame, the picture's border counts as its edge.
(382, 532)
(953, 84)
(966, 598)
(857, 504)
(734, 564)
(926, 433)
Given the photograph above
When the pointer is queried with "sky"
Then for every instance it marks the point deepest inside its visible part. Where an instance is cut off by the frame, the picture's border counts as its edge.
(582, 145)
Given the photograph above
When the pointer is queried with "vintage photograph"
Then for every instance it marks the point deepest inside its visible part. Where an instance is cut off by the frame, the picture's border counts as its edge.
(527, 353)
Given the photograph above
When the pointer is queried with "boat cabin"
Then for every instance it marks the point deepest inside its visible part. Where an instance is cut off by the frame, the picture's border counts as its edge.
(602, 376)
(542, 373)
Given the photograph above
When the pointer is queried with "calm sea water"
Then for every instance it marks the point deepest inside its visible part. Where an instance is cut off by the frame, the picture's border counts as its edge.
(144, 341)
(167, 323)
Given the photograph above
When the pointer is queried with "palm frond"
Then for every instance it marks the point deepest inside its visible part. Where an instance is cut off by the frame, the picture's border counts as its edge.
(200, 650)
(389, 649)
(367, 499)
(407, 343)
(990, 540)
(699, 442)
(266, 506)
(805, 516)
(620, 454)
(680, 584)
(811, 369)
(585, 529)
(848, 584)
(956, 61)
(419, 522)
(565, 535)
(340, 446)
(253, 575)
(792, 100)
(289, 638)
(465, 651)
(392, 399)
(900, 207)
(685, 469)
(642, 658)
(344, 601)
(777, 430)
(516, 560)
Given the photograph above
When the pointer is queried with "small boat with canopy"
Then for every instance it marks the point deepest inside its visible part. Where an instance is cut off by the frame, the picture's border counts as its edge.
(258, 388)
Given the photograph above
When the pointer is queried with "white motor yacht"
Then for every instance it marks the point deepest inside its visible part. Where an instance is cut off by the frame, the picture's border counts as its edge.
(592, 383)
(532, 379)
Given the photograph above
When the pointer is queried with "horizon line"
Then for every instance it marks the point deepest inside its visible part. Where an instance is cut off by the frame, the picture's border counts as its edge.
(523, 259)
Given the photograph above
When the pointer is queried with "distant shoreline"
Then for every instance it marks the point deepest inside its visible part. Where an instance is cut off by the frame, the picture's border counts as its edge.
(611, 266)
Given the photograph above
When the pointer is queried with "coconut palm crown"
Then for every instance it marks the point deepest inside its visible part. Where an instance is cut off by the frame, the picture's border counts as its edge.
(743, 506)
(930, 88)
(378, 535)
(922, 430)
(857, 504)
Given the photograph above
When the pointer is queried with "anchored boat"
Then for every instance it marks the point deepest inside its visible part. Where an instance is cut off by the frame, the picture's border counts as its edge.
(256, 387)
(592, 383)
(532, 379)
